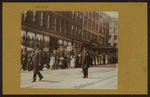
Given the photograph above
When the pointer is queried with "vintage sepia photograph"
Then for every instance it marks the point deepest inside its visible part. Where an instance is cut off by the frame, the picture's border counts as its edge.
(69, 49)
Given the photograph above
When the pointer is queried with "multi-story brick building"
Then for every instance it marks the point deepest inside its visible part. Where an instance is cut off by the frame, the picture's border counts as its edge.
(113, 32)
(54, 28)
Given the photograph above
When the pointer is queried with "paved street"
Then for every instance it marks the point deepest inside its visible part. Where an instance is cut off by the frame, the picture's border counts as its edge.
(100, 77)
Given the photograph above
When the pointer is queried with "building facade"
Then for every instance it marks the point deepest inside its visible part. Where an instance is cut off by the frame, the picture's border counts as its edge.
(54, 30)
(113, 32)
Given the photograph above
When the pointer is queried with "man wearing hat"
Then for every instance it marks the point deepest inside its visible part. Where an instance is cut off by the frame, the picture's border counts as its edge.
(37, 62)
(85, 63)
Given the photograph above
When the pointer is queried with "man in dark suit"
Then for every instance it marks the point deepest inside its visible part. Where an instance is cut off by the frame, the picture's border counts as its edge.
(37, 58)
(85, 63)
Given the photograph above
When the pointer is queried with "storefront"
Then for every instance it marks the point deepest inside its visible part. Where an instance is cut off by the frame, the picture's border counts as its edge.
(28, 39)
(49, 42)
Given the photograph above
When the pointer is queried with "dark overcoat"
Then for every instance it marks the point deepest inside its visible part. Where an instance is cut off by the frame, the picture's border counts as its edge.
(37, 58)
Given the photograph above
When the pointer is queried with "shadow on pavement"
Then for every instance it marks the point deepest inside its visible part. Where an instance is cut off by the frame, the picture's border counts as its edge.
(50, 81)
(94, 78)
(106, 65)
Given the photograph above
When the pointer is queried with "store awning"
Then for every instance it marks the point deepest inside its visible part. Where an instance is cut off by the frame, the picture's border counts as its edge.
(105, 48)
(28, 48)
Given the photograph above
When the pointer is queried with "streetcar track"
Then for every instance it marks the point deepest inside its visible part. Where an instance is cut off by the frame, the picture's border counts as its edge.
(84, 85)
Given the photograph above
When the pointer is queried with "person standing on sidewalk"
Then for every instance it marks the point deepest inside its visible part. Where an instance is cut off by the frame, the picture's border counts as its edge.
(37, 58)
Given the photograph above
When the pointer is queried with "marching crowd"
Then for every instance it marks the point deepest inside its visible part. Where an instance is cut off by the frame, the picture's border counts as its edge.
(60, 60)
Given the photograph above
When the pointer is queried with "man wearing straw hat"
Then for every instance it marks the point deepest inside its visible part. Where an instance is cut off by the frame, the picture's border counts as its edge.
(37, 62)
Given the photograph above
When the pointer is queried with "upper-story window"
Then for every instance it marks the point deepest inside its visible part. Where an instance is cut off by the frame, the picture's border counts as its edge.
(85, 20)
(89, 23)
(96, 15)
(72, 14)
(34, 14)
(115, 37)
(116, 30)
(77, 31)
(55, 24)
(66, 28)
(89, 35)
(72, 29)
(81, 18)
(90, 13)
(96, 26)
(41, 18)
(93, 14)
(24, 12)
(80, 32)
(48, 22)
(93, 24)
(61, 23)
(77, 14)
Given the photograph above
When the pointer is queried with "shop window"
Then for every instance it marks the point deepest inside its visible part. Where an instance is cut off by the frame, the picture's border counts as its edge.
(23, 38)
(31, 39)
(46, 43)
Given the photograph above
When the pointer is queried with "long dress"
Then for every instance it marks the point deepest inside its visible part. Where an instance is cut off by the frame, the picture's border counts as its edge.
(96, 61)
(52, 61)
(106, 59)
(61, 62)
(101, 60)
(72, 62)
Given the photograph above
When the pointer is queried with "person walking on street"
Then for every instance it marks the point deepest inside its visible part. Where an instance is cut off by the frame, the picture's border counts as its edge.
(37, 62)
(85, 63)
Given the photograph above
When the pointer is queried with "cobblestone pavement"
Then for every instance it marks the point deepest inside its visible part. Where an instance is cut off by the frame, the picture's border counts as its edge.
(100, 77)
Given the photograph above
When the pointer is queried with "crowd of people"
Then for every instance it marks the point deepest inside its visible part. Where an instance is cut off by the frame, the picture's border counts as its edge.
(35, 60)
(60, 60)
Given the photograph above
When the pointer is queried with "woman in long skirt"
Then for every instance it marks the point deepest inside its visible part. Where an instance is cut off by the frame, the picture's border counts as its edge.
(72, 62)
(52, 61)
(106, 59)
(101, 59)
